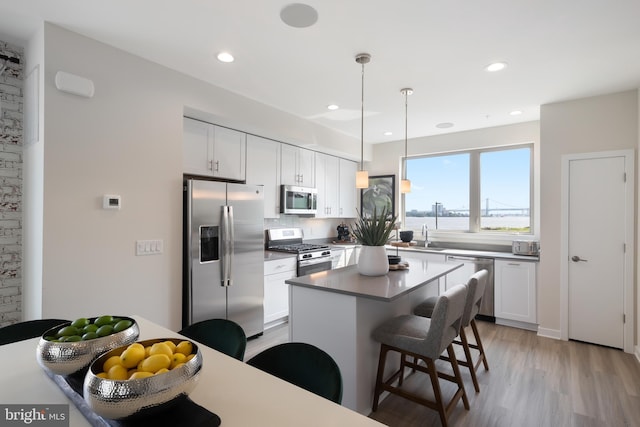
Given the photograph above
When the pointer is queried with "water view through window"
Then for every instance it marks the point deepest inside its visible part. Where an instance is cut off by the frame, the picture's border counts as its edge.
(478, 191)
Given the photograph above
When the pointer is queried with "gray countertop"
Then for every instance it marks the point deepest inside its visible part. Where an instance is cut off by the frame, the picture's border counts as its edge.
(468, 253)
(393, 285)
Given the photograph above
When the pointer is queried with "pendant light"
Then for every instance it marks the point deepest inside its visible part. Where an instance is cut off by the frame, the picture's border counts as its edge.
(362, 176)
(405, 184)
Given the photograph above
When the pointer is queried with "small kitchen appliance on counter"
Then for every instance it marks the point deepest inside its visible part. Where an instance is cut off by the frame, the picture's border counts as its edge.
(526, 247)
(343, 233)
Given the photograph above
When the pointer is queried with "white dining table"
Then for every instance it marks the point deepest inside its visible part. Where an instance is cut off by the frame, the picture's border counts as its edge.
(239, 394)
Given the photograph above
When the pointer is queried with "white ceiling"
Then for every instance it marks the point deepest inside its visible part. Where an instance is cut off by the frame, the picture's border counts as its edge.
(555, 50)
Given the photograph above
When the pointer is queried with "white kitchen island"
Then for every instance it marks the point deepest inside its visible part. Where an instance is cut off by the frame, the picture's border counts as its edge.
(337, 310)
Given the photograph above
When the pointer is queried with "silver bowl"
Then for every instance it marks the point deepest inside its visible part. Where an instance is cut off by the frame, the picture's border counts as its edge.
(66, 358)
(117, 399)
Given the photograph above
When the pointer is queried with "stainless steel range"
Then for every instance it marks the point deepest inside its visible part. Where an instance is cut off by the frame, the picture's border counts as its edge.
(311, 257)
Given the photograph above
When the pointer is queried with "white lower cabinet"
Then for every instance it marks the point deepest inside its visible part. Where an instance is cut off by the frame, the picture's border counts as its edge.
(276, 291)
(344, 255)
(515, 293)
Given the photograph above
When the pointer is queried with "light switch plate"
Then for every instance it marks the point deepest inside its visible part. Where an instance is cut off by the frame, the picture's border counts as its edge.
(149, 247)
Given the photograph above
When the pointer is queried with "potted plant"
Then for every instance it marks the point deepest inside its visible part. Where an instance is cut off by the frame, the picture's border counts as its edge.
(373, 233)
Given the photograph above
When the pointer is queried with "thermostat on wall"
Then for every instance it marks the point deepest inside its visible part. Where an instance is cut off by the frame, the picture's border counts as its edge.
(111, 202)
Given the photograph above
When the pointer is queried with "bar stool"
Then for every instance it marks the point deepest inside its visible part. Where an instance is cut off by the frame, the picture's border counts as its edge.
(476, 285)
(424, 339)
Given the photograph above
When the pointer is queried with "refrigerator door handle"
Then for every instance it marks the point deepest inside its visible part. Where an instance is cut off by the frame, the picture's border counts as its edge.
(225, 243)
(231, 246)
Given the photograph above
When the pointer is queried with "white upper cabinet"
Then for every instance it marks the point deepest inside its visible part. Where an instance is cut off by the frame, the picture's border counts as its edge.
(328, 185)
(197, 147)
(263, 168)
(297, 167)
(348, 196)
(211, 150)
(336, 183)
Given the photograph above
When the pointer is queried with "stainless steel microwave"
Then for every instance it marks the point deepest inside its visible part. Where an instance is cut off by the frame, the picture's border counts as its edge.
(298, 200)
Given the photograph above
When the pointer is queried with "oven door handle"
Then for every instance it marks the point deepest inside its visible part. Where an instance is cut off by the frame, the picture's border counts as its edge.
(313, 261)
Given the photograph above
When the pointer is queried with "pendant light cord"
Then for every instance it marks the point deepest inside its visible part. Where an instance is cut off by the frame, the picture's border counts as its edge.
(362, 122)
(406, 96)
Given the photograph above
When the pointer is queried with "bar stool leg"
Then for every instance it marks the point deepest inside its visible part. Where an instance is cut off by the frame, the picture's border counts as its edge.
(476, 335)
(435, 383)
(456, 374)
(379, 379)
(469, 361)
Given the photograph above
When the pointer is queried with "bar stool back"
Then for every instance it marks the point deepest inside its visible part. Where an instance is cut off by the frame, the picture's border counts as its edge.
(424, 339)
(476, 285)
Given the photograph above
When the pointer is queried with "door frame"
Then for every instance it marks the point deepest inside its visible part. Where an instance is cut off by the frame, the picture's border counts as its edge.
(629, 255)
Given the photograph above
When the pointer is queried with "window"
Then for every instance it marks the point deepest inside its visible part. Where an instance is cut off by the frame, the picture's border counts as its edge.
(485, 190)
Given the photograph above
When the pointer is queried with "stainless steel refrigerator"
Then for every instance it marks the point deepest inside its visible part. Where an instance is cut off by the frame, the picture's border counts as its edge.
(223, 262)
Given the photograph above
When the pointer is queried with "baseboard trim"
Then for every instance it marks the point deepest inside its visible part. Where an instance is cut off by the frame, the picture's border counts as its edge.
(517, 324)
(549, 333)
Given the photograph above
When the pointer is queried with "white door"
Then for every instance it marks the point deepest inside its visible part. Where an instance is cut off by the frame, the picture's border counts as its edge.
(596, 249)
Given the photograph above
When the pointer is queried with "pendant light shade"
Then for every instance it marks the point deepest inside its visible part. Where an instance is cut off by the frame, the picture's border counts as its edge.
(405, 184)
(362, 177)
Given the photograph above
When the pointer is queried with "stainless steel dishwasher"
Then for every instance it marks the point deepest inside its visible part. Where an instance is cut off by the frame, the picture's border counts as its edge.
(472, 265)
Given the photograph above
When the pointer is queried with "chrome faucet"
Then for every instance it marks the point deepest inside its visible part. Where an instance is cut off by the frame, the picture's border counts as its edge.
(425, 233)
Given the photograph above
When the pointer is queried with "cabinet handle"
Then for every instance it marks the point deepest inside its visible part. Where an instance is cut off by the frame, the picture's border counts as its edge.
(217, 166)
(513, 263)
(210, 165)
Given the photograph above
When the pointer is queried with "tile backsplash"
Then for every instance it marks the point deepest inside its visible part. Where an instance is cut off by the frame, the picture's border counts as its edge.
(313, 228)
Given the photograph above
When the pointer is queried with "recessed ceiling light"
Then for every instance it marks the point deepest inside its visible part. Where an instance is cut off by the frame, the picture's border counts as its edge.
(225, 57)
(387, 133)
(332, 107)
(444, 125)
(298, 15)
(515, 112)
(496, 66)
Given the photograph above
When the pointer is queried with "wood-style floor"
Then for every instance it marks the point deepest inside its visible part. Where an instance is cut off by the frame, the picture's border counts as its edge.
(532, 381)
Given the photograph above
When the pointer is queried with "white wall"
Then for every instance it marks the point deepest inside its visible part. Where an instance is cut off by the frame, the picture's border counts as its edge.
(127, 140)
(32, 186)
(601, 123)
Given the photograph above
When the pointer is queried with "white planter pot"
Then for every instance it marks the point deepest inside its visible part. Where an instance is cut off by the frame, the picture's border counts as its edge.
(373, 261)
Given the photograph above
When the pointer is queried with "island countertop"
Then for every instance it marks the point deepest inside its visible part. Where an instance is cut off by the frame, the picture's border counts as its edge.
(389, 287)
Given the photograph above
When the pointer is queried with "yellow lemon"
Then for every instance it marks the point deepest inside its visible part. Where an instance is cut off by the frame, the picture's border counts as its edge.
(177, 366)
(136, 345)
(160, 348)
(191, 356)
(162, 371)
(118, 372)
(113, 360)
(131, 372)
(102, 375)
(132, 356)
(139, 375)
(171, 345)
(147, 351)
(184, 347)
(155, 362)
(177, 359)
